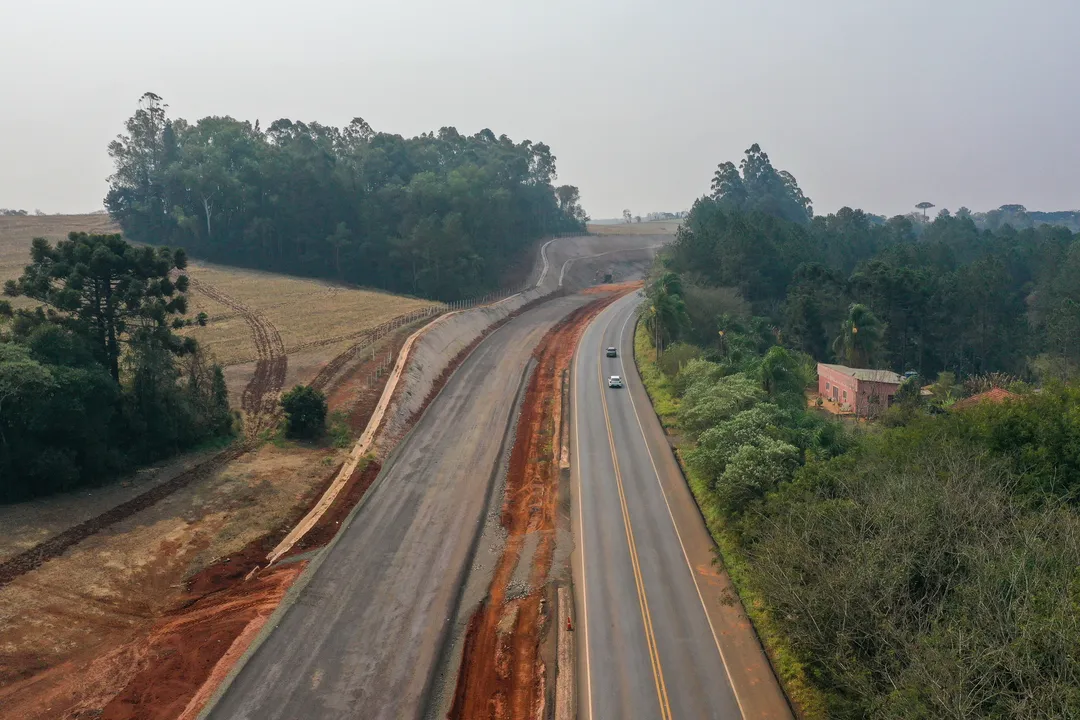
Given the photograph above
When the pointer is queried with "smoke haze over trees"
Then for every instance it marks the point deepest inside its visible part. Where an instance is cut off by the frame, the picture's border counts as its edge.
(440, 215)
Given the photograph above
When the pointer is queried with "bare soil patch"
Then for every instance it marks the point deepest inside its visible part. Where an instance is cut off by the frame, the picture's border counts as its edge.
(75, 630)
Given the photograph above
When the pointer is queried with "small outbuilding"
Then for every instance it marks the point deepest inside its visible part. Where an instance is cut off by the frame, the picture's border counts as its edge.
(863, 391)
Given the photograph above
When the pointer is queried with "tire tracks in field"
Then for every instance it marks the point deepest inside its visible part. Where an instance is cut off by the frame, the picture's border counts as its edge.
(259, 400)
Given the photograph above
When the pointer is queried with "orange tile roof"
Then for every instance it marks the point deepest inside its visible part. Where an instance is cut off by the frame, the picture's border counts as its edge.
(992, 395)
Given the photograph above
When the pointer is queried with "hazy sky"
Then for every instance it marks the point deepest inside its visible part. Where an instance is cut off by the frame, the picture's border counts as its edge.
(868, 103)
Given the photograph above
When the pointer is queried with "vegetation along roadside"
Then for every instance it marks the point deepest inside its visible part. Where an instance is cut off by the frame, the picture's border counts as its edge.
(919, 565)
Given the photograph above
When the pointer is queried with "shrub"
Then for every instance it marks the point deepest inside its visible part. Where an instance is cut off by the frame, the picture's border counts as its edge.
(676, 357)
(305, 412)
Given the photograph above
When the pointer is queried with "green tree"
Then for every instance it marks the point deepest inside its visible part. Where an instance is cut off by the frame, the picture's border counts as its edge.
(860, 338)
(707, 403)
(107, 288)
(784, 376)
(758, 187)
(441, 214)
(754, 470)
(305, 412)
(666, 317)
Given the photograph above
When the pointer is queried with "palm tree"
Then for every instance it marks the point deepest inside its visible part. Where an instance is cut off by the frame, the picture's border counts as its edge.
(860, 337)
(666, 317)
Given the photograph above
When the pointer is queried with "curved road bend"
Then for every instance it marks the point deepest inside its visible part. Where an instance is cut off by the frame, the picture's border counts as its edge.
(363, 636)
(653, 635)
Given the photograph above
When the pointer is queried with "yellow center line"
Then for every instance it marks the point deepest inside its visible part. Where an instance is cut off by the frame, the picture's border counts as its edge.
(650, 637)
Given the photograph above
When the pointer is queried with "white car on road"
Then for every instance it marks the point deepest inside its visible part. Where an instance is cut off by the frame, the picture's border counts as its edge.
(614, 381)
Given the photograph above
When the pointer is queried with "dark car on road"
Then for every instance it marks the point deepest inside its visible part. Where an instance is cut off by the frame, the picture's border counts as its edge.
(611, 352)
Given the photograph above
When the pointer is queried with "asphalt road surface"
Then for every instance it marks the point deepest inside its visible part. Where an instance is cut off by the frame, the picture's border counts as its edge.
(652, 635)
(362, 638)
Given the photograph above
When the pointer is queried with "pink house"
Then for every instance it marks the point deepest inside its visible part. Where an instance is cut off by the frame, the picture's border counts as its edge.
(864, 392)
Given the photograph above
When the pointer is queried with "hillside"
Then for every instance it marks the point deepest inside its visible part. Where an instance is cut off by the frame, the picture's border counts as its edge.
(252, 315)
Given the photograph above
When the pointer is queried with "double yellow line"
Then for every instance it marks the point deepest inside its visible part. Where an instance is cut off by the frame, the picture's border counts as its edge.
(650, 636)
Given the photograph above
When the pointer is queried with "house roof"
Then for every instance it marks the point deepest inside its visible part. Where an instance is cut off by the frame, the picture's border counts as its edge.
(866, 374)
(992, 395)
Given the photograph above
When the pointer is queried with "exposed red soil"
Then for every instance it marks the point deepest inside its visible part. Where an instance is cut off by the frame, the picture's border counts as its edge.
(185, 647)
(502, 675)
(328, 525)
(190, 650)
(173, 665)
(357, 392)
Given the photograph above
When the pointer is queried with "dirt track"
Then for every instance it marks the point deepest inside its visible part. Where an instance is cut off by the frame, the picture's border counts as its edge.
(259, 400)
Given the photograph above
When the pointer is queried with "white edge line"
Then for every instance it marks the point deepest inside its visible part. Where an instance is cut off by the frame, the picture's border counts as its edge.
(581, 531)
(682, 546)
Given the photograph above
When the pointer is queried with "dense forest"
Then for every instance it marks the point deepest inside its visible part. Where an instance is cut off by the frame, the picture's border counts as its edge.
(922, 566)
(945, 294)
(440, 215)
(94, 382)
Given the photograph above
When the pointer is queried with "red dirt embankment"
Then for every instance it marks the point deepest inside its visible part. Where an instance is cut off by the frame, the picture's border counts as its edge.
(190, 650)
(502, 675)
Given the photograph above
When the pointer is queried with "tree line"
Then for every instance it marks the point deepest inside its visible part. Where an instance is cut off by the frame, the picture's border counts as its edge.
(926, 569)
(440, 215)
(94, 382)
(944, 295)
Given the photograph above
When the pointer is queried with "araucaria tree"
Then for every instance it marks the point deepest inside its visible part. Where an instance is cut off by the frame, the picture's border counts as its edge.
(96, 383)
(110, 290)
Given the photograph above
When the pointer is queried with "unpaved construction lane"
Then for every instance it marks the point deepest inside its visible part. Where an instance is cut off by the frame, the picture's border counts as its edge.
(364, 634)
(654, 641)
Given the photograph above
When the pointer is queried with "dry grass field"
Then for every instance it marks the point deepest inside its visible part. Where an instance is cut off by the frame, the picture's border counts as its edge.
(665, 227)
(17, 232)
(304, 313)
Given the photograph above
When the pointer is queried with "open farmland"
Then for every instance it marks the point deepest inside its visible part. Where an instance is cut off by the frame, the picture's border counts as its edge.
(16, 232)
(659, 227)
(305, 313)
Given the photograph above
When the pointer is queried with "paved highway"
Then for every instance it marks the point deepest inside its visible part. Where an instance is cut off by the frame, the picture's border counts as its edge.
(653, 634)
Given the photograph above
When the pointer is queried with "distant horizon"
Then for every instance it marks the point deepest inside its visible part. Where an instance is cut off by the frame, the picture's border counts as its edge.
(616, 220)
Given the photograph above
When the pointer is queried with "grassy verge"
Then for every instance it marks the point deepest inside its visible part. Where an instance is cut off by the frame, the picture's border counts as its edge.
(809, 701)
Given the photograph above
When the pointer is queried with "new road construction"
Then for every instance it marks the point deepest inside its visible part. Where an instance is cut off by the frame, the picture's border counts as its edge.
(526, 476)
(367, 628)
